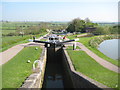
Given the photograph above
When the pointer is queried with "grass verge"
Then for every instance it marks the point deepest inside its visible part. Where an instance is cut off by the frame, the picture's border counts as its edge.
(8, 42)
(86, 40)
(15, 71)
(89, 67)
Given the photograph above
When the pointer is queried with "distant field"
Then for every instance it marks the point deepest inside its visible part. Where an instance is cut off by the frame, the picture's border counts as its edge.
(10, 36)
(7, 31)
(11, 32)
(8, 28)
(10, 41)
(14, 24)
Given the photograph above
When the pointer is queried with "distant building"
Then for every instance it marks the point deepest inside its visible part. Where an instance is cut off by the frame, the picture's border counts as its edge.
(90, 29)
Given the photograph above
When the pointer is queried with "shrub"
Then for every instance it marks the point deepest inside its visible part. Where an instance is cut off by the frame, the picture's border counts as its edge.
(11, 34)
(96, 41)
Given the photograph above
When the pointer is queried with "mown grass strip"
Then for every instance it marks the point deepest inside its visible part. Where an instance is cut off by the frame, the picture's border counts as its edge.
(86, 40)
(8, 42)
(15, 71)
(0, 77)
(89, 67)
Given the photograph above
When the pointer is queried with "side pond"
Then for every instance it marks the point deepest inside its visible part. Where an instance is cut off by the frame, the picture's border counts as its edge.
(110, 48)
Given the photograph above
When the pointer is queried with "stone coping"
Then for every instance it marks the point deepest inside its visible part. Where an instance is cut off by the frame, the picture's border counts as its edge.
(99, 85)
(35, 79)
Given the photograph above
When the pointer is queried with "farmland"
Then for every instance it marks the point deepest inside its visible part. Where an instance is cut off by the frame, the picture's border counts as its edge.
(5, 32)
(11, 34)
(14, 33)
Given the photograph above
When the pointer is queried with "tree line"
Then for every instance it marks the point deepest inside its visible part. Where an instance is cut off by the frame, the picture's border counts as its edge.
(76, 25)
(86, 26)
(105, 30)
(79, 25)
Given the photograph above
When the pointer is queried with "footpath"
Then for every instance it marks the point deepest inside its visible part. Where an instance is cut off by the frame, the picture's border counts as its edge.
(98, 59)
(11, 52)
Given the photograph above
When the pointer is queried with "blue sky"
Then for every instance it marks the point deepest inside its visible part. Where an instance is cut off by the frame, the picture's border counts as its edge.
(60, 11)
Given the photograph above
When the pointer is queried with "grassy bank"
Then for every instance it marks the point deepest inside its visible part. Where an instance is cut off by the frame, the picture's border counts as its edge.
(97, 40)
(89, 67)
(12, 40)
(17, 69)
(86, 41)
(9, 41)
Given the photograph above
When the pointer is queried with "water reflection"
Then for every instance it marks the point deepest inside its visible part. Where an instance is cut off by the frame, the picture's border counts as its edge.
(54, 70)
(53, 76)
(110, 48)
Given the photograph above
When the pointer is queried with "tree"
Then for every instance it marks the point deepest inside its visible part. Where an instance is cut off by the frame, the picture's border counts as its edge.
(87, 20)
(89, 23)
(115, 29)
(70, 28)
(99, 31)
(77, 25)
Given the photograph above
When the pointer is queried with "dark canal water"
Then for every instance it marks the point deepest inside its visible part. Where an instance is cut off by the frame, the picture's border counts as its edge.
(54, 72)
(110, 48)
(53, 76)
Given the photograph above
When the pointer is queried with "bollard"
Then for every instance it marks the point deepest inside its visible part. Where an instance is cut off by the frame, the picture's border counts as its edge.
(28, 61)
(36, 48)
(74, 45)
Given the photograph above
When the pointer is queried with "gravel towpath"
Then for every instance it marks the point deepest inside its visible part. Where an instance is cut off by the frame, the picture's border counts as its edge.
(11, 52)
(98, 59)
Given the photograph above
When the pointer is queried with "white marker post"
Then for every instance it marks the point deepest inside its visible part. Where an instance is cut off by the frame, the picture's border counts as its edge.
(74, 45)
